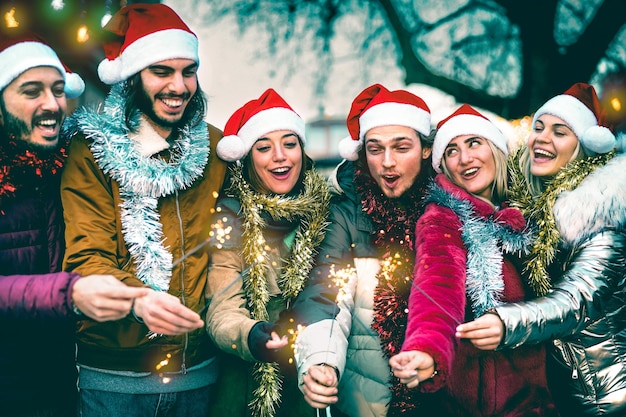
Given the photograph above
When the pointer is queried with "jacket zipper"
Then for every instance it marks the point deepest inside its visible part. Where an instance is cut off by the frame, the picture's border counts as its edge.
(564, 347)
(182, 280)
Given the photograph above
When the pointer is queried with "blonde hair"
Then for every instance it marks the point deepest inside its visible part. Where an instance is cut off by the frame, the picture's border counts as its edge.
(499, 187)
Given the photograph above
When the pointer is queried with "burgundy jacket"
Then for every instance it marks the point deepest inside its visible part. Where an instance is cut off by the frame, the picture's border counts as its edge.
(38, 327)
(476, 382)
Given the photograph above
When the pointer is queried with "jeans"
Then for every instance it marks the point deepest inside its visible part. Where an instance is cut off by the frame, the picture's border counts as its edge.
(193, 403)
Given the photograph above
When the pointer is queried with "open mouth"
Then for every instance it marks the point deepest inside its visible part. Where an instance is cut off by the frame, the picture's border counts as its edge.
(469, 173)
(49, 126)
(390, 180)
(543, 154)
(281, 172)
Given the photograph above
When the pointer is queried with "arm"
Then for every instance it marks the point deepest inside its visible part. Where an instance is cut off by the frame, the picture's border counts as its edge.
(37, 296)
(324, 340)
(228, 320)
(57, 295)
(434, 312)
(576, 300)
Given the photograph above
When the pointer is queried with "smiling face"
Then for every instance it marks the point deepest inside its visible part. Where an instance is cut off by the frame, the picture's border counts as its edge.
(34, 107)
(394, 157)
(470, 164)
(167, 89)
(552, 144)
(277, 159)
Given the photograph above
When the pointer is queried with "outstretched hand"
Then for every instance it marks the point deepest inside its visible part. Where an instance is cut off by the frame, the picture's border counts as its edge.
(165, 314)
(276, 342)
(412, 367)
(485, 333)
(104, 297)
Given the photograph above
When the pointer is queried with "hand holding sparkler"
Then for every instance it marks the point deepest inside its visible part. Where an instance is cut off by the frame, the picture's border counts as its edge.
(320, 386)
(163, 313)
(486, 332)
(104, 297)
(412, 367)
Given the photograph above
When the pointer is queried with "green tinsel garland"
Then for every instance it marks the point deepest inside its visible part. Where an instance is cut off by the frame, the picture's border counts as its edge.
(312, 208)
(539, 211)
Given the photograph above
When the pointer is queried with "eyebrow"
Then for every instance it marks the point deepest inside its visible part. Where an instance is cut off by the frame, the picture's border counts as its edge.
(286, 135)
(395, 139)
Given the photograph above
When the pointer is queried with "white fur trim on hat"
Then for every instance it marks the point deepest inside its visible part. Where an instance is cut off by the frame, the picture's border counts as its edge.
(581, 120)
(465, 124)
(391, 113)
(232, 148)
(21, 57)
(148, 50)
(349, 148)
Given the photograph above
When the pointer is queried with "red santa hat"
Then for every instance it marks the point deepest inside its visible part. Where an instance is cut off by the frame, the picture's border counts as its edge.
(376, 106)
(465, 121)
(580, 109)
(268, 113)
(140, 35)
(27, 50)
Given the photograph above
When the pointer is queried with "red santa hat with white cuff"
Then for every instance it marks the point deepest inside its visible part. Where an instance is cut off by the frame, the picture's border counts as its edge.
(580, 109)
(377, 106)
(256, 118)
(20, 53)
(140, 35)
(465, 121)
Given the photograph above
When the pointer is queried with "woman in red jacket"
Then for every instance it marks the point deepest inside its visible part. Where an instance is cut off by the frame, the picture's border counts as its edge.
(467, 243)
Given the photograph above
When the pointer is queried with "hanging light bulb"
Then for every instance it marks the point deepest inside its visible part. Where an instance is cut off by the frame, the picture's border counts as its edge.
(9, 18)
(57, 4)
(82, 35)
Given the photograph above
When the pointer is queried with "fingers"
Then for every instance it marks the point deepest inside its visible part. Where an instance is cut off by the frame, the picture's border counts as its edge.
(412, 367)
(164, 314)
(276, 342)
(316, 394)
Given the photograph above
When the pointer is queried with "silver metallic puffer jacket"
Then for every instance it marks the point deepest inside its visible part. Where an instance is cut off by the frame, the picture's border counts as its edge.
(585, 312)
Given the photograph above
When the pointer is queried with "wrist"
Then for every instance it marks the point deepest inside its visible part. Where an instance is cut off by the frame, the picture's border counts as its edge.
(134, 314)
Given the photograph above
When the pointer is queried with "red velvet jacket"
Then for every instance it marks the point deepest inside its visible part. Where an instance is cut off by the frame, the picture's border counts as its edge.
(478, 383)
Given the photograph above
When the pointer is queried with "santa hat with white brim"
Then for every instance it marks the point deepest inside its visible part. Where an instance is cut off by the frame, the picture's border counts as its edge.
(141, 35)
(24, 52)
(376, 106)
(258, 117)
(580, 109)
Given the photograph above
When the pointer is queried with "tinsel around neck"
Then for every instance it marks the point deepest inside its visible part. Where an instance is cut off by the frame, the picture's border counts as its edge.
(393, 235)
(142, 180)
(485, 240)
(311, 207)
(21, 166)
(539, 211)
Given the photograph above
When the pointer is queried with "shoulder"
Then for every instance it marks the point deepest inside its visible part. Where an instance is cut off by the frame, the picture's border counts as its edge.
(593, 206)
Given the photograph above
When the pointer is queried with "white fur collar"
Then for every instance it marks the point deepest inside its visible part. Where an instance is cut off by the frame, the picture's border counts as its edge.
(598, 203)
(147, 141)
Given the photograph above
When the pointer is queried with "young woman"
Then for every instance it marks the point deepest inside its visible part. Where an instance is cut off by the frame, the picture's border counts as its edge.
(267, 230)
(467, 243)
(572, 187)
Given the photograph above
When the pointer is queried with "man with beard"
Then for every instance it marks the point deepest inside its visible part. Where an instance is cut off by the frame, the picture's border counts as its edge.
(38, 302)
(138, 193)
(354, 306)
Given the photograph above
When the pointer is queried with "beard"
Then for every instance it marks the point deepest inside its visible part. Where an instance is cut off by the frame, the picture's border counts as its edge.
(146, 106)
(14, 128)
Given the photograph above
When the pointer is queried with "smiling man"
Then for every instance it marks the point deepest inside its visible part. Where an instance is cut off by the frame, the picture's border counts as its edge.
(39, 302)
(138, 193)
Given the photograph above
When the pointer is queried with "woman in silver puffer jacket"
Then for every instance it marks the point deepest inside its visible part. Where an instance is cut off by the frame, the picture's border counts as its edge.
(571, 184)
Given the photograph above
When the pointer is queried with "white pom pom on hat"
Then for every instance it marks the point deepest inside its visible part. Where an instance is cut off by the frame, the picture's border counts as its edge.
(26, 51)
(140, 35)
(465, 121)
(376, 106)
(258, 117)
(580, 109)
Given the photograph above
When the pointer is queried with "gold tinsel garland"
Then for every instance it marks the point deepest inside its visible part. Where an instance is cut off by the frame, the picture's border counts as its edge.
(539, 211)
(311, 206)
